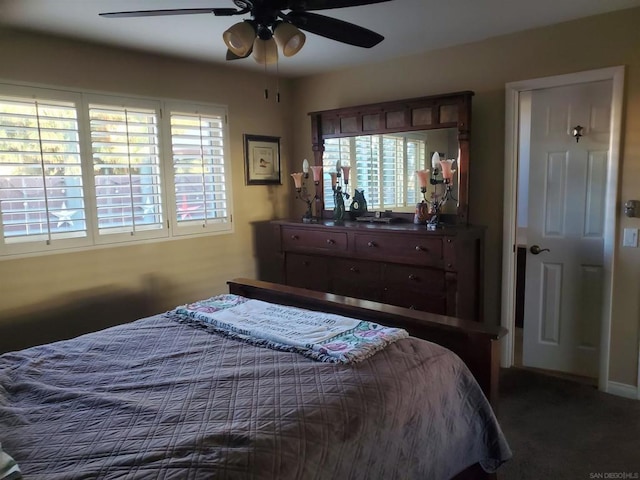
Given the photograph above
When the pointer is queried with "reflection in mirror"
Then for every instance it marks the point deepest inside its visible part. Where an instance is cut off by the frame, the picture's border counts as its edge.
(384, 167)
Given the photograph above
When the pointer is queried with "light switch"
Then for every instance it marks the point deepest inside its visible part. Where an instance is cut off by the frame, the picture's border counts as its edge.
(630, 238)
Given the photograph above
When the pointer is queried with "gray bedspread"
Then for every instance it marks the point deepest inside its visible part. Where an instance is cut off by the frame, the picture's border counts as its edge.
(155, 399)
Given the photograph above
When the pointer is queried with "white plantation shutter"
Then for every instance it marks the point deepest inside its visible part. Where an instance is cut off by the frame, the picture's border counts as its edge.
(368, 169)
(393, 175)
(126, 167)
(334, 149)
(41, 188)
(200, 169)
(79, 169)
(415, 160)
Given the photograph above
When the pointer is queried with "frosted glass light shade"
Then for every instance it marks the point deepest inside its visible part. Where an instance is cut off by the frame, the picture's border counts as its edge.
(423, 178)
(289, 39)
(239, 38)
(265, 51)
(435, 160)
(345, 173)
(447, 171)
(297, 179)
(317, 172)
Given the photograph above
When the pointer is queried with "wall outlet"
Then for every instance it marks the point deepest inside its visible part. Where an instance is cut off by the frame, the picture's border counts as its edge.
(630, 237)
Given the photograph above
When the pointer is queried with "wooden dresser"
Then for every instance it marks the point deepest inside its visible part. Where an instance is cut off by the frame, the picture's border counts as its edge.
(400, 264)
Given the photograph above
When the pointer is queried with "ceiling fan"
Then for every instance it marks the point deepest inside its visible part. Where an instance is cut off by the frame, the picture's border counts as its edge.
(274, 23)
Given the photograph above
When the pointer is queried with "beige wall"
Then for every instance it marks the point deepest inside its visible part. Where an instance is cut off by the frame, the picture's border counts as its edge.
(485, 67)
(175, 271)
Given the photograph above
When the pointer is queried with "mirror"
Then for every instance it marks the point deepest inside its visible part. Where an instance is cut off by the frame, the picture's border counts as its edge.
(360, 136)
(384, 166)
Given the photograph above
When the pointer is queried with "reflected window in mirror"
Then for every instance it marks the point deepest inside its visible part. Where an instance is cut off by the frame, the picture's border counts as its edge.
(384, 165)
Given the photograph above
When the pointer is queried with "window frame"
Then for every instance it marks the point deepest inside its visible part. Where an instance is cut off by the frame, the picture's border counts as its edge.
(125, 236)
(171, 229)
(197, 227)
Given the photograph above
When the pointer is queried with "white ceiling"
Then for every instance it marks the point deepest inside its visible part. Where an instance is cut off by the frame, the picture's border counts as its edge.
(409, 26)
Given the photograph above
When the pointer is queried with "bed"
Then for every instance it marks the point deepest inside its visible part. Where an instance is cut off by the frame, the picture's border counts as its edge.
(157, 398)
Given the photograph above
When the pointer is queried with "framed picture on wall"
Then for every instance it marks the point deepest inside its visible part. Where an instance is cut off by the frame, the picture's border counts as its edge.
(262, 160)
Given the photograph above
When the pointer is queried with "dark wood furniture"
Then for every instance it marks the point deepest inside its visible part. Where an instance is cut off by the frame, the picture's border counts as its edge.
(452, 110)
(399, 264)
(475, 343)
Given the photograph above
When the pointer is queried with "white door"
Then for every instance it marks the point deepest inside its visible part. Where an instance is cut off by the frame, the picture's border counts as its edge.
(565, 219)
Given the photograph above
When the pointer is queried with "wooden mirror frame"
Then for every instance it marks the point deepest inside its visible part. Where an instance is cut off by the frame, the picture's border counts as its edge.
(452, 110)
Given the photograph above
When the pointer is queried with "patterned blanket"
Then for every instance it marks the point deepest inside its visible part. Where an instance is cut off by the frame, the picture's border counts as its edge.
(322, 336)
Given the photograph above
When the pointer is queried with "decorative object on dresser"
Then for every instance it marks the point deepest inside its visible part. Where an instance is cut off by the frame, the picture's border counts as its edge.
(440, 176)
(358, 205)
(302, 193)
(339, 184)
(262, 160)
(396, 263)
(439, 122)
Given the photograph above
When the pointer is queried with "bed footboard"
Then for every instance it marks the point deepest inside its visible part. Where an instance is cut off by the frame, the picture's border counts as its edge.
(475, 343)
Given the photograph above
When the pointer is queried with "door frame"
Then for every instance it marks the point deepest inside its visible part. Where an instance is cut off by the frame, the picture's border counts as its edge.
(512, 114)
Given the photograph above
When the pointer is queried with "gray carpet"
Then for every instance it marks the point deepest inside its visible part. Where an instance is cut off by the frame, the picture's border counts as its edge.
(559, 429)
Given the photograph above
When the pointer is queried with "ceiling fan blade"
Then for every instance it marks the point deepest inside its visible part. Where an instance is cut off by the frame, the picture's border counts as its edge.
(308, 5)
(233, 56)
(335, 29)
(178, 11)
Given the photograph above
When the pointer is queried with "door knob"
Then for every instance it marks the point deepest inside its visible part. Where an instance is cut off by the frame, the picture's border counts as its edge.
(535, 249)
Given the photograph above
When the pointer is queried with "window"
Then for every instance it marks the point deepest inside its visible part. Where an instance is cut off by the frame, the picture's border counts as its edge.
(381, 165)
(126, 168)
(199, 169)
(78, 169)
(41, 187)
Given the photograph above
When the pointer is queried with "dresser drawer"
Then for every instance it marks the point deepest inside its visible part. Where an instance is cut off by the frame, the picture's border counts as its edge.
(307, 271)
(415, 279)
(356, 278)
(413, 249)
(303, 239)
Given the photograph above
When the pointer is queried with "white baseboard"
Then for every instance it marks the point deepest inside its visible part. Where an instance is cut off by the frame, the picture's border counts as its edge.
(623, 390)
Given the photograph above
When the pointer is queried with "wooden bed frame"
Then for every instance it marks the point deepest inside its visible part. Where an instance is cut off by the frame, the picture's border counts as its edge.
(475, 343)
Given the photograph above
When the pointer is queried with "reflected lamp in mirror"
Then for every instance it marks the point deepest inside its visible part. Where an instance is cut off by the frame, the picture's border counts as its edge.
(303, 194)
(339, 185)
(442, 174)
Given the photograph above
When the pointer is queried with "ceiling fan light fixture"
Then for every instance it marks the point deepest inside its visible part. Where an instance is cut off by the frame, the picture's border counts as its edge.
(239, 38)
(289, 38)
(265, 52)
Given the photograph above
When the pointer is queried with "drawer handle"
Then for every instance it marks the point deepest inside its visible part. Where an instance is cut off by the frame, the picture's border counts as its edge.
(294, 237)
(354, 270)
(412, 277)
(305, 263)
(420, 248)
(331, 241)
(372, 244)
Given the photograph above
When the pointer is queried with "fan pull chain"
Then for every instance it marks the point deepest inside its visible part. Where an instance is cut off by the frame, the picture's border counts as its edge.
(266, 85)
(277, 82)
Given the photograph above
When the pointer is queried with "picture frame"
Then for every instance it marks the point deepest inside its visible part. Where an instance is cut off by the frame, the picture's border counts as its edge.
(262, 160)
